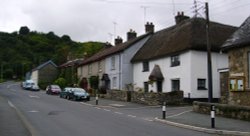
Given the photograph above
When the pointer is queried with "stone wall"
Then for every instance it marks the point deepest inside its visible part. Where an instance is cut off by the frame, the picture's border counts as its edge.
(238, 69)
(224, 110)
(171, 98)
(239, 98)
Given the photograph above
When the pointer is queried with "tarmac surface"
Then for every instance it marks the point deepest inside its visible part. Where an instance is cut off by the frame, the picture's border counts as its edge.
(187, 119)
(11, 123)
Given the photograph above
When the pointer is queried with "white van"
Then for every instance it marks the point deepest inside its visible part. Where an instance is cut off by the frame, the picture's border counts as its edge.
(28, 84)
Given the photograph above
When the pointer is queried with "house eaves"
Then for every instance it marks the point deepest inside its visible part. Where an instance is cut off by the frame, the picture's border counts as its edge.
(187, 35)
(113, 50)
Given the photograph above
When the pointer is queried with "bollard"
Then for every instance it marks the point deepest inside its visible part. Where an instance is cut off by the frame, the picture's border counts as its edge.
(96, 100)
(164, 110)
(212, 116)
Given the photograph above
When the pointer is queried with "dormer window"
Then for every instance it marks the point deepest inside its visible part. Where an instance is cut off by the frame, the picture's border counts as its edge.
(175, 61)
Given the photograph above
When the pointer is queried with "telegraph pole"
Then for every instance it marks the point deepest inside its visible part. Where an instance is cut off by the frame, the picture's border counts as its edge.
(209, 61)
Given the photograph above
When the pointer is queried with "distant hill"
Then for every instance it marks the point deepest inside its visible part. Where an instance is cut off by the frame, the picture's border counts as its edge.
(21, 51)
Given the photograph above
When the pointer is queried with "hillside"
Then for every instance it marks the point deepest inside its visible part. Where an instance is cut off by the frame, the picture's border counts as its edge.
(21, 51)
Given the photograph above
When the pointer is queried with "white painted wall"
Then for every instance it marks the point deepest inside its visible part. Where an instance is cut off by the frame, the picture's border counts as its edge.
(34, 76)
(123, 68)
(193, 65)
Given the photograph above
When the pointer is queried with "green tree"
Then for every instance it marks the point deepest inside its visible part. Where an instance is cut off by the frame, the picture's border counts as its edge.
(24, 30)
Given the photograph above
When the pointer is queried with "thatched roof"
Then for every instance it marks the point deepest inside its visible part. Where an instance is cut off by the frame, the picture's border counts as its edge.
(187, 35)
(241, 37)
(156, 74)
(112, 50)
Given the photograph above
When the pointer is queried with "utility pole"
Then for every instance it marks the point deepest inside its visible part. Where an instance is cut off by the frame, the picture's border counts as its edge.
(2, 71)
(209, 61)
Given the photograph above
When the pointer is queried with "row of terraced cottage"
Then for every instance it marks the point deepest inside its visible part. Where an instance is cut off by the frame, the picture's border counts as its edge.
(175, 59)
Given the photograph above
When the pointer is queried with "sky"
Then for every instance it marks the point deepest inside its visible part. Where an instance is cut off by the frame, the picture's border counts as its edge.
(103, 20)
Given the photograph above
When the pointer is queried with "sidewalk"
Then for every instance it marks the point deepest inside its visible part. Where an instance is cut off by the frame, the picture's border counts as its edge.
(188, 119)
(10, 123)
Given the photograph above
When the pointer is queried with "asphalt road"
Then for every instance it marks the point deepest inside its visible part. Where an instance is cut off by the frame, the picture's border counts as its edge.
(47, 115)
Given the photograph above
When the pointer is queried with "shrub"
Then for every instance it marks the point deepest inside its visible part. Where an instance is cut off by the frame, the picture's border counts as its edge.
(61, 82)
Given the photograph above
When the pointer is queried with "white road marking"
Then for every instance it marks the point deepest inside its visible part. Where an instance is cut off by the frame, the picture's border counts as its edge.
(98, 108)
(116, 105)
(148, 119)
(132, 116)
(33, 96)
(11, 104)
(178, 114)
(33, 111)
(118, 113)
(86, 104)
(106, 109)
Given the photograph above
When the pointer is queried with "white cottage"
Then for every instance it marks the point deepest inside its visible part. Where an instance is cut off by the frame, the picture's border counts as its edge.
(116, 68)
(175, 58)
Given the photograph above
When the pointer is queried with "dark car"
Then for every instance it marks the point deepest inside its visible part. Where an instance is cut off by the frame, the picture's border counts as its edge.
(65, 92)
(78, 94)
(53, 89)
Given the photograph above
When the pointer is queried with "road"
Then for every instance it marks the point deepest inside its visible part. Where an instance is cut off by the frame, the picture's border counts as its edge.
(47, 115)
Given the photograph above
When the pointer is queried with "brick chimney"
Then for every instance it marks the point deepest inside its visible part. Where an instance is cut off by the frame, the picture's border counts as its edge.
(180, 17)
(149, 27)
(118, 40)
(131, 35)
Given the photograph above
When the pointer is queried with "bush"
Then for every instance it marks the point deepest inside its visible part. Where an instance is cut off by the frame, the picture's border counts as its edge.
(61, 82)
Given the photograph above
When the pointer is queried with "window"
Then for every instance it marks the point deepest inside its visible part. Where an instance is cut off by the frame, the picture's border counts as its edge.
(146, 87)
(201, 84)
(145, 66)
(114, 82)
(236, 84)
(175, 61)
(90, 69)
(113, 63)
(99, 66)
(176, 85)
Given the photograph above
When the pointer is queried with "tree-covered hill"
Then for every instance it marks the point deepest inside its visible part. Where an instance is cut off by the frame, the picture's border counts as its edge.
(23, 50)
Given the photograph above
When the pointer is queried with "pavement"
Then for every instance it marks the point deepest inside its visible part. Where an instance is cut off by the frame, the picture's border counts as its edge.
(12, 124)
(186, 119)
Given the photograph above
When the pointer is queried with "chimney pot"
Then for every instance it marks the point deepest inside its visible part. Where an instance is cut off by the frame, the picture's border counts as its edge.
(118, 40)
(131, 35)
(180, 17)
(149, 27)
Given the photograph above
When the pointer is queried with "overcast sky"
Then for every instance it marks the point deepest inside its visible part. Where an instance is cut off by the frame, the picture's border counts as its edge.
(100, 20)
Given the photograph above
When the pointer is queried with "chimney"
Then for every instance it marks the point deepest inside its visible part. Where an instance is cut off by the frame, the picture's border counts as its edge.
(118, 40)
(131, 35)
(107, 45)
(180, 17)
(149, 27)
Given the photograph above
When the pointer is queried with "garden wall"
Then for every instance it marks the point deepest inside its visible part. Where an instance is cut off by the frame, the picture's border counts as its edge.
(171, 98)
(224, 110)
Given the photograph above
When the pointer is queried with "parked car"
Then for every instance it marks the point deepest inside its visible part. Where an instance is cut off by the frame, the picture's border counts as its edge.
(28, 84)
(78, 94)
(35, 88)
(65, 92)
(53, 89)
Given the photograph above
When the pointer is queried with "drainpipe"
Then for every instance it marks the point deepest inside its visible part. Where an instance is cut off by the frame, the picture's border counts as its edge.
(120, 72)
